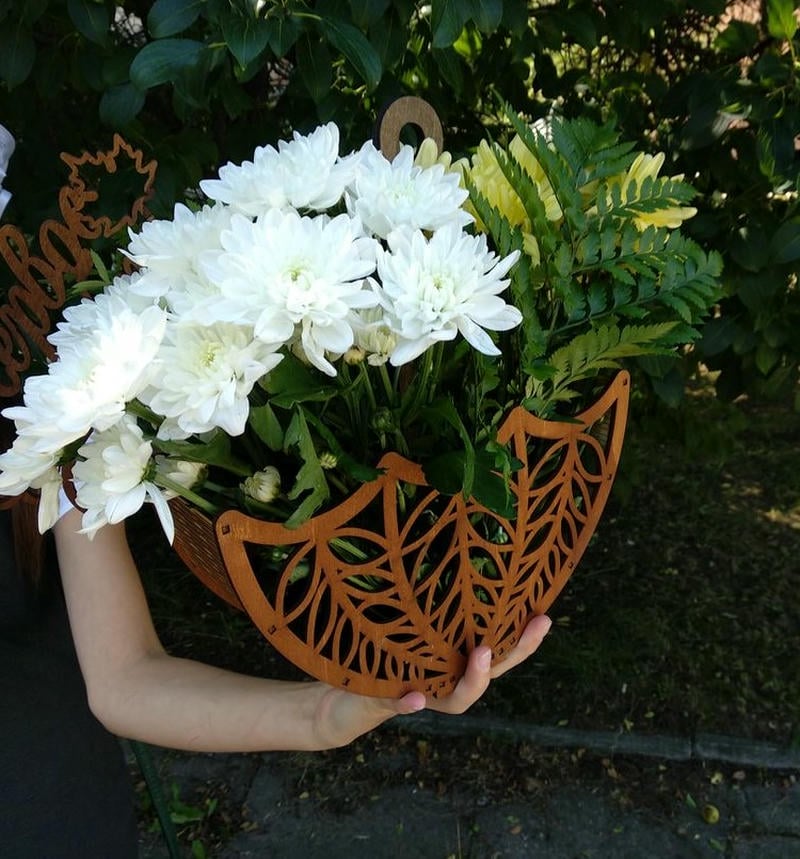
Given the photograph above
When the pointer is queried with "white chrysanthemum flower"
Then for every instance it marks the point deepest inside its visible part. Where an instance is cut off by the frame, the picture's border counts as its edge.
(203, 376)
(131, 289)
(23, 467)
(169, 251)
(112, 478)
(294, 279)
(374, 336)
(432, 289)
(23, 464)
(116, 304)
(170, 246)
(387, 194)
(105, 359)
(302, 173)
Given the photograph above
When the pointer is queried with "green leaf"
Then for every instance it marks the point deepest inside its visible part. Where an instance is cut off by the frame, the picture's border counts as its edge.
(449, 63)
(164, 61)
(781, 21)
(388, 36)
(266, 426)
(246, 37)
(311, 476)
(315, 66)
(487, 14)
(92, 20)
(282, 34)
(444, 409)
(738, 39)
(353, 44)
(120, 105)
(168, 17)
(444, 472)
(785, 243)
(291, 382)
(766, 357)
(492, 491)
(447, 21)
(17, 55)
(30, 11)
(216, 451)
(718, 335)
(366, 12)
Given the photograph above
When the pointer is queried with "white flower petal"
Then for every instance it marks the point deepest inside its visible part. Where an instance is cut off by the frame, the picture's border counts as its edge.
(162, 510)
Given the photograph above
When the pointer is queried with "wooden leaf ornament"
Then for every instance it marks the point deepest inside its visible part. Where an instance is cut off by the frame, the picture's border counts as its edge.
(390, 590)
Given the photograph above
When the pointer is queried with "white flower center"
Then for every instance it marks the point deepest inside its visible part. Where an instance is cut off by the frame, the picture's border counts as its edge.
(303, 292)
(436, 295)
(209, 353)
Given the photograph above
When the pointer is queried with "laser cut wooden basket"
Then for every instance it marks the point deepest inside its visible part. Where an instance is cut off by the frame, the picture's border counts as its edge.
(445, 574)
(414, 629)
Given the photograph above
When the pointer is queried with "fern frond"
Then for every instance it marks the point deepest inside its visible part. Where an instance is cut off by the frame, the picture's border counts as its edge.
(591, 352)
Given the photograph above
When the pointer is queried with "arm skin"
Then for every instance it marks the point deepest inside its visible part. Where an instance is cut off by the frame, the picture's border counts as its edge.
(138, 691)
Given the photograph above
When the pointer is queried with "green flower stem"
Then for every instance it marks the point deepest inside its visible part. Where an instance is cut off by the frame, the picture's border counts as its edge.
(401, 445)
(332, 478)
(275, 511)
(191, 496)
(367, 383)
(140, 410)
(388, 386)
(345, 546)
(418, 389)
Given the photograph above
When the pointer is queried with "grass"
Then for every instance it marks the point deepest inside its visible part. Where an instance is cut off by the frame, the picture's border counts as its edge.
(683, 616)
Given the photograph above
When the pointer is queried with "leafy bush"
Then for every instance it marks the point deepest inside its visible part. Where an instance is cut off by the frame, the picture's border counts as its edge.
(193, 82)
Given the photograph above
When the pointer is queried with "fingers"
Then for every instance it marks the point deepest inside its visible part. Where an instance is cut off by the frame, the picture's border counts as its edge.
(532, 636)
(353, 715)
(480, 671)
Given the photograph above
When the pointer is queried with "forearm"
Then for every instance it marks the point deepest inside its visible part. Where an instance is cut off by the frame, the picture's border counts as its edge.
(179, 703)
(140, 692)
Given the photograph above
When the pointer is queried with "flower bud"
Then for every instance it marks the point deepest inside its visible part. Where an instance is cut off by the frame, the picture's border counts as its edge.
(354, 355)
(383, 421)
(182, 471)
(264, 485)
(328, 460)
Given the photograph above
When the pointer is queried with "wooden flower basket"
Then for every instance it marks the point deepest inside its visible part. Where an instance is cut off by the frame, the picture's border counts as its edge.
(434, 575)
(441, 574)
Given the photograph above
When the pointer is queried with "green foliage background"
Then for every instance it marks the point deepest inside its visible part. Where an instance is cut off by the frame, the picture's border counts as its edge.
(194, 82)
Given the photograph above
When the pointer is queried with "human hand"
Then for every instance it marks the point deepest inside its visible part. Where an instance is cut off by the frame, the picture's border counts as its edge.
(343, 716)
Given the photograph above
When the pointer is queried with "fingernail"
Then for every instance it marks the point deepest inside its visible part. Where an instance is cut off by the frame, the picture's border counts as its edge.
(485, 661)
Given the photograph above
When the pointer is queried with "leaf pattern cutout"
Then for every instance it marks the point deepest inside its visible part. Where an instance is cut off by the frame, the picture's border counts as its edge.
(436, 575)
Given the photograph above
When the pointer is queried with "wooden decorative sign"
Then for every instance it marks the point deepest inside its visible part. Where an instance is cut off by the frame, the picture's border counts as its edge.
(63, 257)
